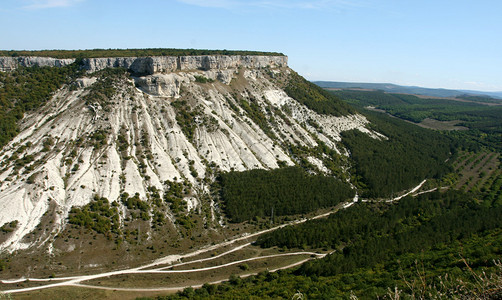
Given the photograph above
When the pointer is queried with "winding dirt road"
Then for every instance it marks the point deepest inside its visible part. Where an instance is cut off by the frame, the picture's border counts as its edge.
(165, 264)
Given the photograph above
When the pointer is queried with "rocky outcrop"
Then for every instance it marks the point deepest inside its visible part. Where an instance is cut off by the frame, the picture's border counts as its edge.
(166, 64)
(11, 63)
(8, 63)
(138, 65)
(152, 64)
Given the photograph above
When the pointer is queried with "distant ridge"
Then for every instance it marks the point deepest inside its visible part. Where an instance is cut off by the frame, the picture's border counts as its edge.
(394, 88)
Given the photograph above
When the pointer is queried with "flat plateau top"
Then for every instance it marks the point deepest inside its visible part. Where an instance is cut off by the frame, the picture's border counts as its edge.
(97, 53)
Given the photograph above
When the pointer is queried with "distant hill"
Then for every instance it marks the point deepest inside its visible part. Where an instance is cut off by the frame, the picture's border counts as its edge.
(394, 88)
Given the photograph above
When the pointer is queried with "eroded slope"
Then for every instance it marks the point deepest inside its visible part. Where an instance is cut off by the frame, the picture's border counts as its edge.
(120, 137)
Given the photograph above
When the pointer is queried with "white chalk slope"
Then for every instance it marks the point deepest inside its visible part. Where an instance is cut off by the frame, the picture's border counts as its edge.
(71, 169)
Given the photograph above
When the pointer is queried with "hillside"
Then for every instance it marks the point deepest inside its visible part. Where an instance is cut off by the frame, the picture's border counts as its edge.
(415, 90)
(115, 166)
(129, 144)
(468, 120)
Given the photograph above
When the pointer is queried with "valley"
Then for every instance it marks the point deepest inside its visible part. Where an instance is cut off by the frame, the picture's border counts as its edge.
(236, 256)
(216, 175)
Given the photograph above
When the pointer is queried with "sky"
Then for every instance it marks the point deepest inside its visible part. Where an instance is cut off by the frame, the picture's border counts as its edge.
(453, 44)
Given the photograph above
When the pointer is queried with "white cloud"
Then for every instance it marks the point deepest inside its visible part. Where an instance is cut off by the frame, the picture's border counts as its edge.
(39, 4)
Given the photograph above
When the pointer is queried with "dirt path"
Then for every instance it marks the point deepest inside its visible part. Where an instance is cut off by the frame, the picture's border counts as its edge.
(165, 263)
(78, 279)
(171, 259)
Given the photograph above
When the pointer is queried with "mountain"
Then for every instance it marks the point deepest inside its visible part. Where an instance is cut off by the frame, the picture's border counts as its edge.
(128, 145)
(127, 173)
(393, 88)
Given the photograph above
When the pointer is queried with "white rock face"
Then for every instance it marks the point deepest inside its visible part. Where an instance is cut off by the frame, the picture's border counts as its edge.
(162, 84)
(140, 65)
(166, 64)
(71, 169)
(12, 63)
(8, 63)
(151, 64)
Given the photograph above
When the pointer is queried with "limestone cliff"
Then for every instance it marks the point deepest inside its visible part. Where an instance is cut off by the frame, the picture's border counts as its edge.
(12, 63)
(177, 119)
(165, 64)
(152, 64)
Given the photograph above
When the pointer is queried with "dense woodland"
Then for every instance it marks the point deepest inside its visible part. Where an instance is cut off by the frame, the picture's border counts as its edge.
(366, 235)
(287, 191)
(385, 167)
(130, 53)
(98, 215)
(411, 245)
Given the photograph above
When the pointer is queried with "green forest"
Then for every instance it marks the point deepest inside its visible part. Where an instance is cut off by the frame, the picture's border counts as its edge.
(410, 245)
(435, 245)
(409, 154)
(366, 235)
(279, 192)
(130, 53)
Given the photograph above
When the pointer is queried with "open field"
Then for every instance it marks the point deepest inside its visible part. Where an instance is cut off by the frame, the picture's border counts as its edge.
(441, 125)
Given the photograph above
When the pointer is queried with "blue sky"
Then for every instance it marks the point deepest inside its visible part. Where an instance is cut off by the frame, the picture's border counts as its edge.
(441, 43)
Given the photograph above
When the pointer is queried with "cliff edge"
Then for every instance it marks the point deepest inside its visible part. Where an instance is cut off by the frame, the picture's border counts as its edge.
(151, 64)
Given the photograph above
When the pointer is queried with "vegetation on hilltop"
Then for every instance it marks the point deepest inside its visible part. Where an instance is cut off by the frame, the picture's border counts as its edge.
(94, 53)
(413, 90)
(479, 98)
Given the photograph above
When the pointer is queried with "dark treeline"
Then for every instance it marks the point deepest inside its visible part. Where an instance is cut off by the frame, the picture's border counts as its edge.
(409, 155)
(368, 98)
(26, 89)
(479, 98)
(368, 236)
(286, 191)
(314, 97)
(94, 53)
